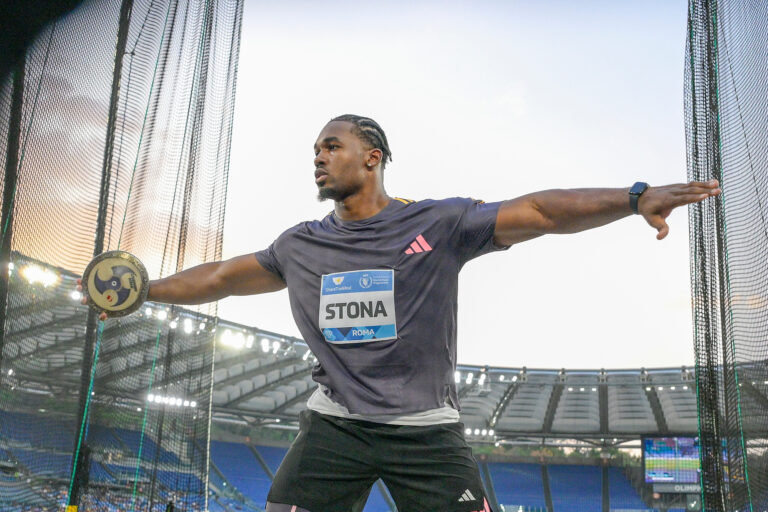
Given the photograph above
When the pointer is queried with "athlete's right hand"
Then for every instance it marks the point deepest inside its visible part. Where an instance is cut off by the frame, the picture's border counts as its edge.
(84, 299)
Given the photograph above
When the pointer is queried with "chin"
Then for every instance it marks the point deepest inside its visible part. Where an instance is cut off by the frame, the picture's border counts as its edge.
(330, 193)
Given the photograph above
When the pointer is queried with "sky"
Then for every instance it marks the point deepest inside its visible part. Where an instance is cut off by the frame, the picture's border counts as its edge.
(491, 100)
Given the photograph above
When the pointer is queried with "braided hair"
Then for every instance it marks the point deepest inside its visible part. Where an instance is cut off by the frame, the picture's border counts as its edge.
(369, 131)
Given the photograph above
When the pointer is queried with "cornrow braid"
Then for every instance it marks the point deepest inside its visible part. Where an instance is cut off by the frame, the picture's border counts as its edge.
(369, 131)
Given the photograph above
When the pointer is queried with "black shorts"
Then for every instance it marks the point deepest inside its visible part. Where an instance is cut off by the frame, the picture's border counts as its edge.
(333, 463)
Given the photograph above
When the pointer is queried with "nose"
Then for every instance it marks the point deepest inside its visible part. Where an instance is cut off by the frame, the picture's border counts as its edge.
(319, 159)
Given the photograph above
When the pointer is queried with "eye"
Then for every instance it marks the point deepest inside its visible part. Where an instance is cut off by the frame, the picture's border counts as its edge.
(331, 147)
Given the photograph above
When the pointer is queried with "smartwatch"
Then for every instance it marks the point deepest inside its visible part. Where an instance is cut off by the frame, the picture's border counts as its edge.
(634, 195)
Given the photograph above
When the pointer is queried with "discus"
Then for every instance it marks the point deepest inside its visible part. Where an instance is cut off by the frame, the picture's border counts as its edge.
(115, 282)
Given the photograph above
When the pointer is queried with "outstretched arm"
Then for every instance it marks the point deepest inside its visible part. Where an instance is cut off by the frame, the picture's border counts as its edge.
(242, 275)
(571, 211)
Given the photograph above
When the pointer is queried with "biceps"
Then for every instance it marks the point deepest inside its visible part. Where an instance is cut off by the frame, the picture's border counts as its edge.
(244, 275)
(519, 220)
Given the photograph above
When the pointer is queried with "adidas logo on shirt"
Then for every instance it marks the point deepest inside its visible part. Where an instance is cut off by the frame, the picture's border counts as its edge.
(418, 245)
(467, 496)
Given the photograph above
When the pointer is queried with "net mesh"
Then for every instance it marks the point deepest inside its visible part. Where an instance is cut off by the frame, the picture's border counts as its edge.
(726, 97)
(117, 129)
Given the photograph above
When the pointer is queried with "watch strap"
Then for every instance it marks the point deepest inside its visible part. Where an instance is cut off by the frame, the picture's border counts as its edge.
(634, 195)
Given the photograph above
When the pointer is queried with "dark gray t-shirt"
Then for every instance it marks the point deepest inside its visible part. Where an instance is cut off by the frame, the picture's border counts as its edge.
(375, 299)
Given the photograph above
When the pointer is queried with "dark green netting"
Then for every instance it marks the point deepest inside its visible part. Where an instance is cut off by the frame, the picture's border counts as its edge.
(726, 98)
(115, 133)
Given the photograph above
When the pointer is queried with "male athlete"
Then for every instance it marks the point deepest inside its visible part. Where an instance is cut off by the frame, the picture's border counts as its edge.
(373, 289)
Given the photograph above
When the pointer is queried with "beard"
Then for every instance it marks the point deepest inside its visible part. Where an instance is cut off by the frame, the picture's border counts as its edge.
(335, 194)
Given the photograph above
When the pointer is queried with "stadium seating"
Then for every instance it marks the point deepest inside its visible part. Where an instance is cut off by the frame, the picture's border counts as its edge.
(272, 455)
(241, 469)
(576, 488)
(622, 494)
(518, 484)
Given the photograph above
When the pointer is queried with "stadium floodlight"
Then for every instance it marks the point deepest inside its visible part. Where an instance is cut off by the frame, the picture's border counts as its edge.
(484, 432)
(138, 409)
(306, 355)
(594, 389)
(514, 378)
(173, 324)
(501, 378)
(201, 326)
(76, 295)
(150, 397)
(249, 341)
(648, 388)
(264, 345)
(491, 432)
(162, 315)
(581, 389)
(469, 378)
(186, 403)
(660, 388)
(468, 431)
(187, 325)
(686, 387)
(457, 376)
(38, 275)
(10, 371)
(193, 404)
(148, 311)
(275, 346)
(570, 389)
(477, 431)
(673, 388)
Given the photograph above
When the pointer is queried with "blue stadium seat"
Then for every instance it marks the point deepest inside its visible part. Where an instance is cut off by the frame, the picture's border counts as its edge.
(241, 469)
(622, 494)
(576, 488)
(518, 484)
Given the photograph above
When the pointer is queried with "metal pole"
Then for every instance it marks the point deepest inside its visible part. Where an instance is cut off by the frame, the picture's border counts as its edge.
(9, 191)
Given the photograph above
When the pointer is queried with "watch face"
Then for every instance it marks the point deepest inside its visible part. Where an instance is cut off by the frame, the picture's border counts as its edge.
(638, 188)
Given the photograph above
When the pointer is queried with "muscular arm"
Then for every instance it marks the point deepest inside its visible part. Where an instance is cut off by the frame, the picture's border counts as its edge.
(242, 275)
(571, 211)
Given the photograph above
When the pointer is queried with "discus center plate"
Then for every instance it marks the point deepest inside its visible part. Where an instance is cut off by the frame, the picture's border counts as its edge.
(115, 282)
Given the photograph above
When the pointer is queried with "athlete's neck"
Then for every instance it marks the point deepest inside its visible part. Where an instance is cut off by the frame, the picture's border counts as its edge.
(361, 205)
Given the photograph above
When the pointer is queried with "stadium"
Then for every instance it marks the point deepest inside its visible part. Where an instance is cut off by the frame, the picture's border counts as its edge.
(546, 439)
(175, 408)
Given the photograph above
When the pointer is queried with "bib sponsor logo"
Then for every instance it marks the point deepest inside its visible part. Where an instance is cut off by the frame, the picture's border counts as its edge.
(358, 306)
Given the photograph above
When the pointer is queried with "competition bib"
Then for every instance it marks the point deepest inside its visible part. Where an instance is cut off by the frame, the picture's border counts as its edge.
(358, 306)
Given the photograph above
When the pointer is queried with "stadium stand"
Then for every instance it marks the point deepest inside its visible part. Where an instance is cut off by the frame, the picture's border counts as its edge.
(622, 494)
(518, 484)
(575, 488)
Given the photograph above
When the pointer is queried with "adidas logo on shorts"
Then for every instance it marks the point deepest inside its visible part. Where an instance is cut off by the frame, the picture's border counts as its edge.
(467, 496)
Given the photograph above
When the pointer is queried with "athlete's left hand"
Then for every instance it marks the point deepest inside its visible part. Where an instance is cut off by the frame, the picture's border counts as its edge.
(657, 203)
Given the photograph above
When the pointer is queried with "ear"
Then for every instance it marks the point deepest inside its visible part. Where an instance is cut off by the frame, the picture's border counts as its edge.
(373, 158)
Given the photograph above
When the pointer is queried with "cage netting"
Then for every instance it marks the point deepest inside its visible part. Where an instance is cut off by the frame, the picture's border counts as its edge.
(726, 96)
(115, 134)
